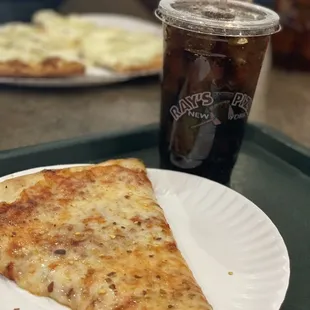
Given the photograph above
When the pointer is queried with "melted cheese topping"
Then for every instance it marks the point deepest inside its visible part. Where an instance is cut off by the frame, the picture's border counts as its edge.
(13, 54)
(118, 48)
(70, 27)
(29, 44)
(93, 238)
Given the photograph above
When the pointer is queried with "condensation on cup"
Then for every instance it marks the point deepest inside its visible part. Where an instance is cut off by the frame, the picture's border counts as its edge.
(212, 61)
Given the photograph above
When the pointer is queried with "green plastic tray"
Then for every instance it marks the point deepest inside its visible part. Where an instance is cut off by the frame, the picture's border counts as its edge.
(271, 171)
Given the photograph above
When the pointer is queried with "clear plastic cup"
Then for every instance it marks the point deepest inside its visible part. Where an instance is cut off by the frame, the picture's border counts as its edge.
(212, 61)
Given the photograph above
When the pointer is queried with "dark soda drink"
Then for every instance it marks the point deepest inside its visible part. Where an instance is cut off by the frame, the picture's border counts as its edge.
(207, 91)
(208, 84)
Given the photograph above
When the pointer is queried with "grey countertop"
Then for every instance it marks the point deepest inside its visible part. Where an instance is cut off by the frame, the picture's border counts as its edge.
(287, 105)
(31, 116)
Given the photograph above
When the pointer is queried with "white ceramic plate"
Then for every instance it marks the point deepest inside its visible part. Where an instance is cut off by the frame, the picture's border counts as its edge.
(218, 231)
(96, 76)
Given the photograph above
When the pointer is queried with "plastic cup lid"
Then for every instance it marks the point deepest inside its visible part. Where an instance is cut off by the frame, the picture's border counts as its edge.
(236, 19)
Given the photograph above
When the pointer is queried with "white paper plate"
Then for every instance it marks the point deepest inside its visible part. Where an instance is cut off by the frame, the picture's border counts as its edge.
(96, 76)
(218, 231)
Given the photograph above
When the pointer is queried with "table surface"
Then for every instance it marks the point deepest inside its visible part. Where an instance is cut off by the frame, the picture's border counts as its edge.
(31, 116)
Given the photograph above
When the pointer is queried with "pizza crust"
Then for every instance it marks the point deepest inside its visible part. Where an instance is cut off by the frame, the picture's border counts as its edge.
(48, 68)
(11, 189)
(154, 64)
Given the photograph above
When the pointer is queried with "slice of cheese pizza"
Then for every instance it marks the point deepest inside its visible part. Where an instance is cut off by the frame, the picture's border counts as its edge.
(48, 68)
(26, 51)
(93, 238)
(123, 51)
